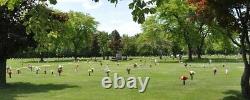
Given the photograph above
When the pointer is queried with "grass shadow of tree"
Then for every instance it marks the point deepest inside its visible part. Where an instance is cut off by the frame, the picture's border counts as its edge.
(233, 95)
(51, 61)
(203, 60)
(215, 60)
(61, 60)
(13, 90)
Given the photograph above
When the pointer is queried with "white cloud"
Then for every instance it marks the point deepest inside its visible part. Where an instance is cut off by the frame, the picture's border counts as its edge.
(130, 28)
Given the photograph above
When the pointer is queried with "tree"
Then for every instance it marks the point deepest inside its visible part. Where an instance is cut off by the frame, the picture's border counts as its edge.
(95, 48)
(14, 36)
(176, 48)
(234, 17)
(126, 45)
(79, 29)
(175, 15)
(46, 34)
(116, 43)
(203, 21)
(103, 38)
(129, 45)
(218, 43)
(203, 33)
(155, 35)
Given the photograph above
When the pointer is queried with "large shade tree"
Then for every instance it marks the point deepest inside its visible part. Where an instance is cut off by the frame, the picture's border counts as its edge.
(79, 28)
(175, 15)
(47, 35)
(14, 35)
(234, 17)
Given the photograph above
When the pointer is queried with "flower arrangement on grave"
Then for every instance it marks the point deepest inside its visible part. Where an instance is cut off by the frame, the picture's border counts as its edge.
(184, 78)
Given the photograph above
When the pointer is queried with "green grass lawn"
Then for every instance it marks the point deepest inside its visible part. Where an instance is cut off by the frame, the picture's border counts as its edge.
(164, 84)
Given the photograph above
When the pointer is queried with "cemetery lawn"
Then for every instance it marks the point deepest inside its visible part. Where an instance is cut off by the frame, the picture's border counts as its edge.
(164, 84)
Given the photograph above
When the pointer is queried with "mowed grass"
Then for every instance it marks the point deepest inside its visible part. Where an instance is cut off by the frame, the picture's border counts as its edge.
(164, 84)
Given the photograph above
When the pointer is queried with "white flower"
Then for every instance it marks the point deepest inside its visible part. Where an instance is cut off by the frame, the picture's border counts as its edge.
(210, 61)
(177, 55)
(226, 71)
(192, 72)
(60, 66)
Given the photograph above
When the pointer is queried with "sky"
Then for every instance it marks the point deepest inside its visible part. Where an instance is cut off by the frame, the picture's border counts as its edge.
(109, 16)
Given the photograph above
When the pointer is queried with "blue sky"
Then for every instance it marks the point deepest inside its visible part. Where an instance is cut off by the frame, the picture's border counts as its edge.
(108, 16)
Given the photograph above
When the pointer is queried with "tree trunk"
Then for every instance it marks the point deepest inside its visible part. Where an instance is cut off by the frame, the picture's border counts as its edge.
(2, 71)
(75, 54)
(160, 54)
(75, 57)
(103, 56)
(200, 47)
(202, 42)
(199, 52)
(41, 57)
(199, 55)
(190, 53)
(174, 54)
(245, 86)
(107, 58)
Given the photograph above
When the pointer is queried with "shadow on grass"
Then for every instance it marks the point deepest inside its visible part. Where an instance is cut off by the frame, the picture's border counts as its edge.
(233, 95)
(203, 60)
(13, 90)
(215, 60)
(169, 61)
(51, 61)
